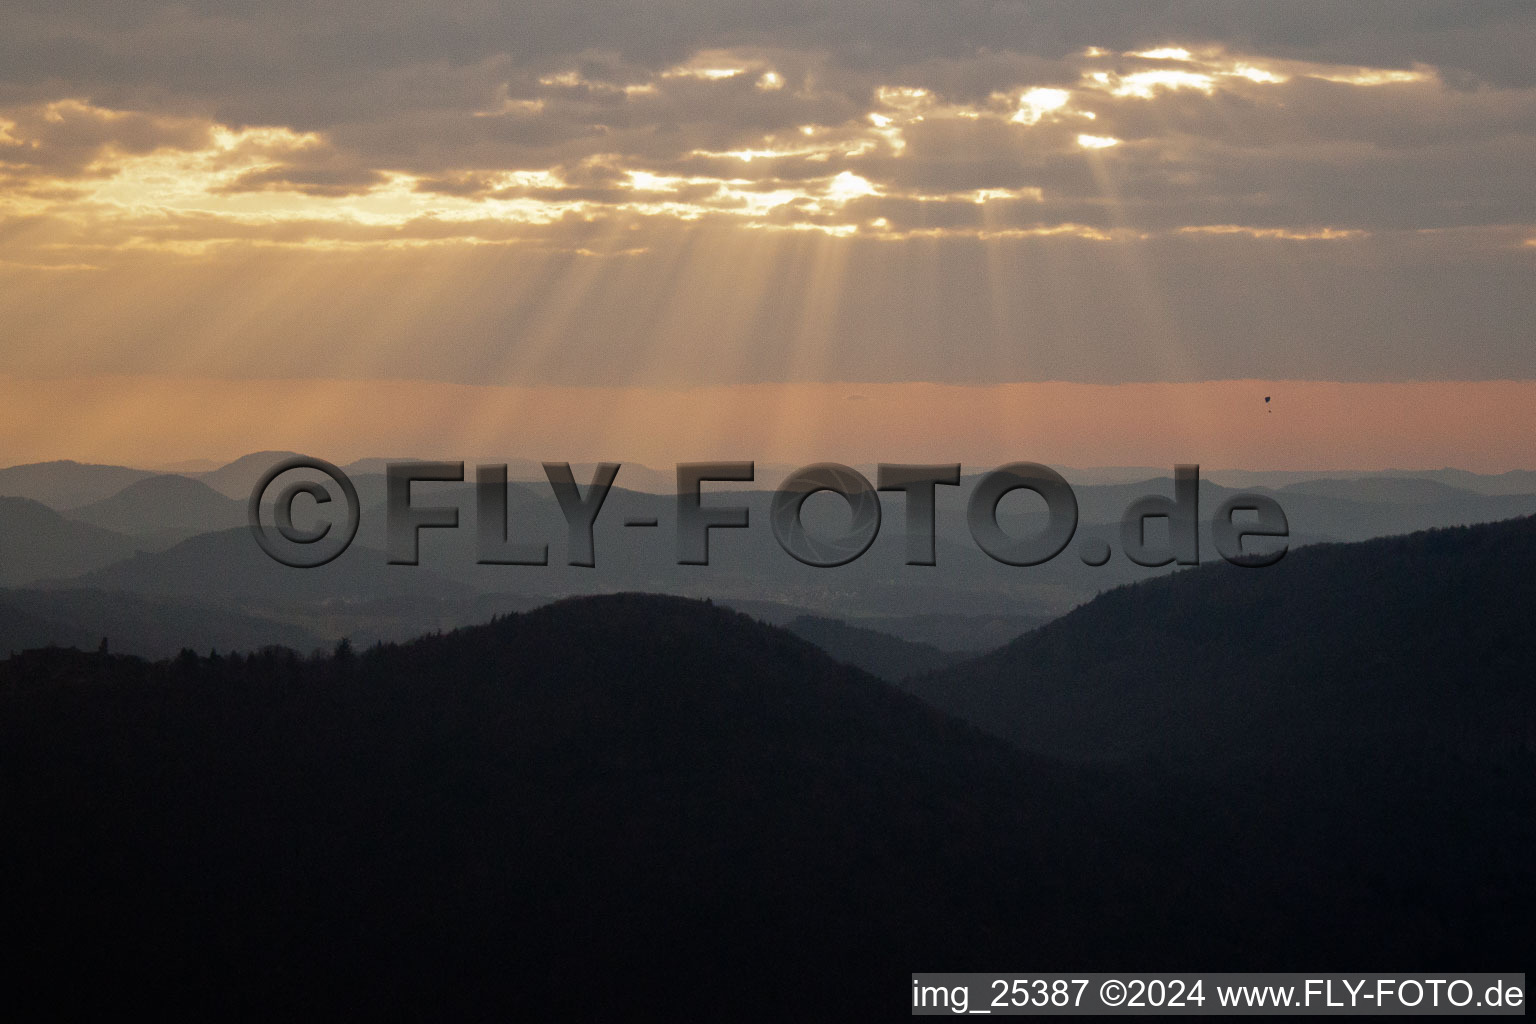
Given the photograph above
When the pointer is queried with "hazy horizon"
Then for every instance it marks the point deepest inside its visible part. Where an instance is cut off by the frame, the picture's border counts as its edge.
(1479, 426)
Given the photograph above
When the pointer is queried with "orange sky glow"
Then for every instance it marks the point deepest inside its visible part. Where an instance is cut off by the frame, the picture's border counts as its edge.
(1484, 426)
(1086, 253)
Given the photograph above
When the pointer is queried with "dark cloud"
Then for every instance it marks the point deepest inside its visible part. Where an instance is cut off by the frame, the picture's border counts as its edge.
(453, 91)
(68, 137)
(1320, 189)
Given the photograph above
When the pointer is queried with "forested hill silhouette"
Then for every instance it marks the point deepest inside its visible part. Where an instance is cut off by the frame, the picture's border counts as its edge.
(616, 805)
(590, 806)
(1415, 641)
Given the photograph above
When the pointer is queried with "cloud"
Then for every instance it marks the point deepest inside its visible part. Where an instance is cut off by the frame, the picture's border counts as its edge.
(1089, 190)
(69, 138)
(1150, 141)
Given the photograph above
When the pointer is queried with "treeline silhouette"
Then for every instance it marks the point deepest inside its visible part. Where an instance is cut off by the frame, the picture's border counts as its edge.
(1421, 641)
(601, 805)
(658, 807)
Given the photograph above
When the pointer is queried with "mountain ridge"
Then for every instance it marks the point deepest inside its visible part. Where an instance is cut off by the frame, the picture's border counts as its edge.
(1138, 670)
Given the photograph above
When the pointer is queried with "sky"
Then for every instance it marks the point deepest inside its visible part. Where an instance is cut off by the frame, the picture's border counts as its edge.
(1077, 232)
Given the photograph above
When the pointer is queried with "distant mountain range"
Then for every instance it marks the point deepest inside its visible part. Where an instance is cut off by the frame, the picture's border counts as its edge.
(1516, 481)
(228, 566)
(36, 543)
(163, 509)
(180, 536)
(136, 624)
(66, 484)
(880, 654)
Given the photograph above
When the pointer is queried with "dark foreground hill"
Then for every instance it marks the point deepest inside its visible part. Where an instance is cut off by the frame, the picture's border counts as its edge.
(636, 806)
(591, 806)
(1419, 642)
